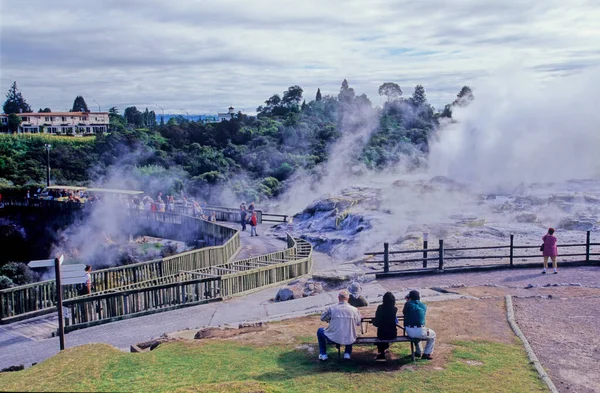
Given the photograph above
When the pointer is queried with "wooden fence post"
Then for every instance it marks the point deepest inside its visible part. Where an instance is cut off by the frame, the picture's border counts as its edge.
(386, 257)
(425, 242)
(441, 255)
(587, 246)
(512, 239)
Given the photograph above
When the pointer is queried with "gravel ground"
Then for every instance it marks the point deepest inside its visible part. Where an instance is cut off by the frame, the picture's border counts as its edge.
(565, 335)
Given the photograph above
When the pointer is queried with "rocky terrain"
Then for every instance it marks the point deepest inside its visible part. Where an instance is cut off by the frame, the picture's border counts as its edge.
(360, 219)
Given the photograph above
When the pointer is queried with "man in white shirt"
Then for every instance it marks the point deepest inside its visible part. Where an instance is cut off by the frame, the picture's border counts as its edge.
(343, 320)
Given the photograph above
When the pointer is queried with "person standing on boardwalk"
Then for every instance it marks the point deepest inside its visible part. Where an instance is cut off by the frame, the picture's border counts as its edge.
(343, 320)
(386, 321)
(243, 215)
(549, 249)
(253, 223)
(414, 323)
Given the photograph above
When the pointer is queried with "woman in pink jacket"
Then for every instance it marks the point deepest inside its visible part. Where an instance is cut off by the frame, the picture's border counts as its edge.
(550, 250)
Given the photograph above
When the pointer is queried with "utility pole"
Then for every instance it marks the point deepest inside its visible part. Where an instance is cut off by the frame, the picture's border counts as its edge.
(98, 106)
(47, 146)
(59, 306)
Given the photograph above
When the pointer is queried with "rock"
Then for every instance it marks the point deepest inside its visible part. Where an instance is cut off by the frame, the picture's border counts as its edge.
(250, 325)
(526, 217)
(284, 294)
(529, 286)
(577, 223)
(13, 368)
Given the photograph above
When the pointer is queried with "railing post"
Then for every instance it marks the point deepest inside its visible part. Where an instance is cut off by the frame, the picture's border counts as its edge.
(425, 242)
(587, 246)
(512, 239)
(386, 257)
(441, 255)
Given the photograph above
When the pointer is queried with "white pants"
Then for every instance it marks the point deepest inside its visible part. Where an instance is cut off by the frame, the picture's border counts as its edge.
(422, 333)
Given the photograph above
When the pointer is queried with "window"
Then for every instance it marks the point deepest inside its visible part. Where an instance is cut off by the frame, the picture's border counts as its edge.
(4, 120)
(47, 118)
(64, 118)
(24, 118)
(87, 129)
(84, 118)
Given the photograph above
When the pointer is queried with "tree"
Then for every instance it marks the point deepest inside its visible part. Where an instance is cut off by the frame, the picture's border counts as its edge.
(318, 97)
(45, 110)
(391, 90)
(292, 96)
(418, 98)
(79, 105)
(14, 122)
(346, 92)
(464, 97)
(15, 103)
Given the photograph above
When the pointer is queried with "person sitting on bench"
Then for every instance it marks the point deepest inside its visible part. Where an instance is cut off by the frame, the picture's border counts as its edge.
(386, 321)
(414, 324)
(343, 320)
(356, 299)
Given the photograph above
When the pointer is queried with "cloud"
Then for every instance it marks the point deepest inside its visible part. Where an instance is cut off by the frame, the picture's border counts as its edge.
(203, 56)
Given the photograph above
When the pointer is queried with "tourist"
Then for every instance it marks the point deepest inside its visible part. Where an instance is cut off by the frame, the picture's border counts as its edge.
(251, 208)
(172, 204)
(343, 320)
(356, 299)
(86, 289)
(253, 223)
(159, 198)
(213, 217)
(414, 324)
(28, 196)
(386, 321)
(549, 250)
(243, 215)
(161, 206)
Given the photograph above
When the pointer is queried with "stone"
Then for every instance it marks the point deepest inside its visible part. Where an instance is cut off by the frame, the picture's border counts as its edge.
(284, 294)
(13, 368)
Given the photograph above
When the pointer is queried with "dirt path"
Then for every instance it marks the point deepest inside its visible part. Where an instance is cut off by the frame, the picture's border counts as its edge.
(565, 335)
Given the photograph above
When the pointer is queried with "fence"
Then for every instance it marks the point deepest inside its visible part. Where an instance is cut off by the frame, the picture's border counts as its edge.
(39, 298)
(189, 288)
(441, 255)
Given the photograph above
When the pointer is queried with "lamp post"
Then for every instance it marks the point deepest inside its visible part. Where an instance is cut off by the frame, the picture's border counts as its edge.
(47, 146)
(98, 106)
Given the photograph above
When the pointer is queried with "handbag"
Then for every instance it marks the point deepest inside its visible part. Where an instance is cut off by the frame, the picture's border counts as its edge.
(542, 247)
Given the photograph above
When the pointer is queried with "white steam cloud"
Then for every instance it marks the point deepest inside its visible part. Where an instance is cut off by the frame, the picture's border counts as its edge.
(519, 130)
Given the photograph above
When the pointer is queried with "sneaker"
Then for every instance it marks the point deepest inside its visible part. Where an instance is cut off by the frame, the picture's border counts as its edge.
(544, 272)
(555, 272)
(426, 356)
(323, 357)
(346, 356)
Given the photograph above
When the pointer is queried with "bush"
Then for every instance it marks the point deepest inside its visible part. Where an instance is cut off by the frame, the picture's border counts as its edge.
(5, 282)
(19, 273)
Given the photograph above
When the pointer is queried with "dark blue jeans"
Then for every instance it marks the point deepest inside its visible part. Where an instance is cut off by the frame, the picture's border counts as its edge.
(323, 340)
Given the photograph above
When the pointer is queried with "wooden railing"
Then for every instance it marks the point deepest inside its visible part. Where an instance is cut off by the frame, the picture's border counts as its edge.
(190, 288)
(441, 257)
(39, 298)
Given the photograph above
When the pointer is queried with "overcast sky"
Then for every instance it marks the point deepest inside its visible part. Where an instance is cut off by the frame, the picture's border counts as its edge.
(202, 56)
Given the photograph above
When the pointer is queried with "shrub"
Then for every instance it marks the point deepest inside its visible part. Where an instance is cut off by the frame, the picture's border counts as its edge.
(5, 282)
(19, 273)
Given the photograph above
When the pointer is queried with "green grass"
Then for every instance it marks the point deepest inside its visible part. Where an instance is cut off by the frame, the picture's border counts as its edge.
(226, 366)
(49, 138)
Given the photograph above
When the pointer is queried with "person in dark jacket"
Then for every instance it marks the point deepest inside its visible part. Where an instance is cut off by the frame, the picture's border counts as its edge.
(386, 321)
(243, 216)
(356, 299)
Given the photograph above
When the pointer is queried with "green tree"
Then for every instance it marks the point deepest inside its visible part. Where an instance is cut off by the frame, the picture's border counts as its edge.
(391, 90)
(292, 97)
(464, 97)
(14, 122)
(346, 92)
(45, 110)
(15, 103)
(318, 97)
(418, 98)
(79, 105)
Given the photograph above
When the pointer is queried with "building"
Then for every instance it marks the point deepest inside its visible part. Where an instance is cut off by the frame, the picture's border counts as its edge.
(61, 123)
(227, 116)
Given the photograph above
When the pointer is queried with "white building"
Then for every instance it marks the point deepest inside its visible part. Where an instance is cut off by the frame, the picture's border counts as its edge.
(61, 123)
(227, 116)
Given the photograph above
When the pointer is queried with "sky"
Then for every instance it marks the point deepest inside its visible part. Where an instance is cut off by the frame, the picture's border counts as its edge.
(202, 56)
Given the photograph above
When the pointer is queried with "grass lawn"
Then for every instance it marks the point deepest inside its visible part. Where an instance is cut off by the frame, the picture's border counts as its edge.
(229, 366)
(49, 138)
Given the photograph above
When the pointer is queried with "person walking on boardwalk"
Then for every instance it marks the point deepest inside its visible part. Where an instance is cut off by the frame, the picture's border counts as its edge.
(386, 321)
(253, 223)
(243, 215)
(414, 323)
(343, 320)
(549, 250)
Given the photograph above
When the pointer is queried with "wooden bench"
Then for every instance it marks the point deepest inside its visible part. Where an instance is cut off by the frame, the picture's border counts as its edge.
(365, 340)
